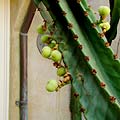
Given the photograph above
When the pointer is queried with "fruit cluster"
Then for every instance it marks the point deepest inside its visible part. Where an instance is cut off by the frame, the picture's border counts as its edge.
(104, 11)
(51, 51)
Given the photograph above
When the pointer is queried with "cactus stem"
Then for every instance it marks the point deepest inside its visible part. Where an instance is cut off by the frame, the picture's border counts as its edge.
(101, 35)
(80, 75)
(63, 82)
(67, 79)
(76, 95)
(51, 33)
(93, 25)
(48, 9)
(79, 32)
(112, 99)
(95, 12)
(39, 9)
(57, 1)
(102, 84)
(80, 46)
(93, 71)
(64, 13)
(82, 109)
(89, 6)
(70, 26)
(86, 58)
(60, 84)
(67, 74)
(56, 64)
(78, 1)
(45, 22)
(75, 37)
(115, 56)
(85, 13)
(44, 27)
(54, 22)
(107, 44)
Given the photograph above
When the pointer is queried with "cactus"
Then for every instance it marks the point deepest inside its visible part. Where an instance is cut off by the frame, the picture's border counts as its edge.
(95, 70)
(115, 16)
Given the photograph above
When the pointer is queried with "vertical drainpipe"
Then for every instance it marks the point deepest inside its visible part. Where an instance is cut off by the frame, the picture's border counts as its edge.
(23, 103)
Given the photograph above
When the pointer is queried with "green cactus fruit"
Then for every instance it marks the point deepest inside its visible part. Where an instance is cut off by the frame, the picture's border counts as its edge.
(51, 85)
(61, 71)
(105, 26)
(56, 55)
(41, 29)
(45, 38)
(52, 44)
(46, 52)
(104, 11)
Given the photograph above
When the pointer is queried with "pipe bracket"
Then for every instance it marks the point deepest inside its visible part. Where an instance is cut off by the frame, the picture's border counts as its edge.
(21, 103)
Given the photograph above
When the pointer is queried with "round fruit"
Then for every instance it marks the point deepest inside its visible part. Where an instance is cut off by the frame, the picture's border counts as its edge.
(46, 52)
(41, 29)
(52, 44)
(56, 55)
(45, 38)
(104, 11)
(61, 71)
(51, 85)
(105, 26)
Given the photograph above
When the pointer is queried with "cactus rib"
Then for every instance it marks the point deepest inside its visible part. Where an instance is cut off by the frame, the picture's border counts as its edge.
(97, 82)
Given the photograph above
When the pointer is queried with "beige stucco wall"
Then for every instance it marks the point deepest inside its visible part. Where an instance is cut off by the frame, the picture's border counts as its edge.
(15, 23)
(42, 105)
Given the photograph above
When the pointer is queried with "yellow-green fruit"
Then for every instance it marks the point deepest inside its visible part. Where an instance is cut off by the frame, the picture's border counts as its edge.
(104, 11)
(56, 55)
(41, 29)
(52, 44)
(105, 26)
(46, 52)
(51, 85)
(45, 38)
(61, 71)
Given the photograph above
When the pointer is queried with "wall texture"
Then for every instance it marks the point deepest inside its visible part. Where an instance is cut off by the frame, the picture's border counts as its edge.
(16, 8)
(41, 104)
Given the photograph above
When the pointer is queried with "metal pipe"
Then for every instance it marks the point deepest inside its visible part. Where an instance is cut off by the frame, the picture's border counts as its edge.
(23, 77)
(23, 103)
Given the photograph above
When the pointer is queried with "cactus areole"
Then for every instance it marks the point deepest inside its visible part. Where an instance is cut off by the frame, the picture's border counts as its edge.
(95, 92)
